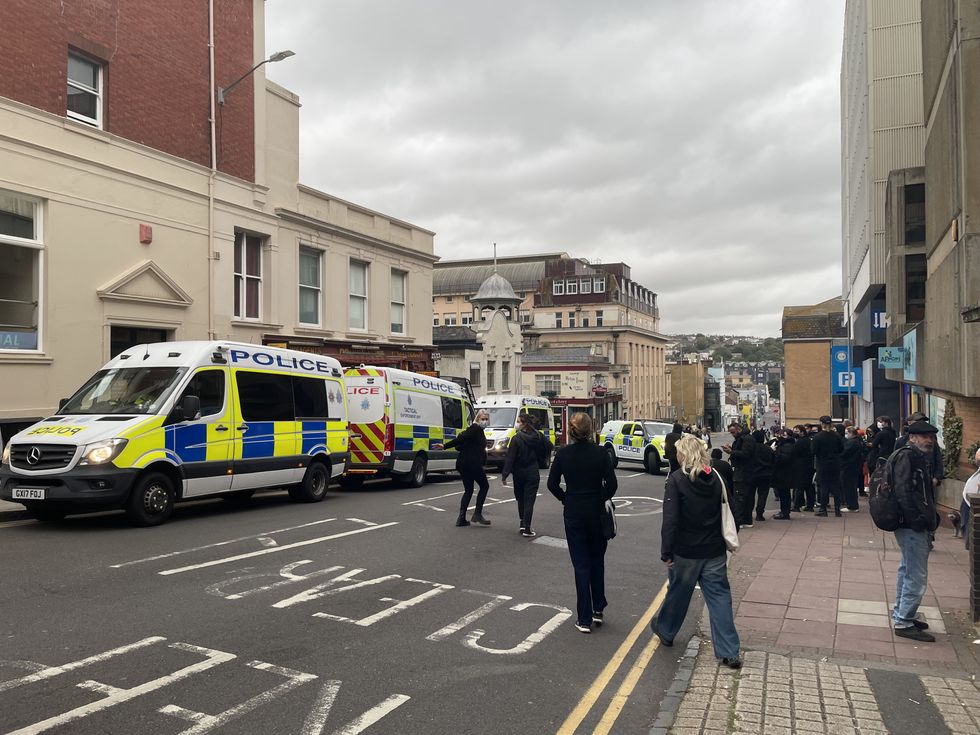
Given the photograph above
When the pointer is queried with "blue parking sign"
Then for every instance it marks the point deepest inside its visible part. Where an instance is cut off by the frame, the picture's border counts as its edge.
(844, 378)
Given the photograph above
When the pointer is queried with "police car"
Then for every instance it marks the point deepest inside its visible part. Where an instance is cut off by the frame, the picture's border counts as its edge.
(636, 441)
(175, 420)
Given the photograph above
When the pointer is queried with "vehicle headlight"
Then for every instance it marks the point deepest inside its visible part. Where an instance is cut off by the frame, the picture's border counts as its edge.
(5, 457)
(502, 443)
(102, 452)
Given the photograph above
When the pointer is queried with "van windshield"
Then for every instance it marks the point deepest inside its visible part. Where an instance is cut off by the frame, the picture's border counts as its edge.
(140, 390)
(501, 417)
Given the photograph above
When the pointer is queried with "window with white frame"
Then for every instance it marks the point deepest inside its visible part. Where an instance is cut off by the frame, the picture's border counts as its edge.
(585, 320)
(248, 276)
(599, 285)
(84, 90)
(585, 286)
(598, 318)
(571, 319)
(357, 283)
(558, 288)
(571, 288)
(491, 375)
(449, 320)
(310, 261)
(525, 317)
(558, 321)
(21, 252)
(547, 383)
(435, 320)
(466, 320)
(449, 299)
(399, 287)
(474, 373)
(505, 375)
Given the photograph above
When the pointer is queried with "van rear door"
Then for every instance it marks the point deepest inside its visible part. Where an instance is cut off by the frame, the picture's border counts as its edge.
(367, 398)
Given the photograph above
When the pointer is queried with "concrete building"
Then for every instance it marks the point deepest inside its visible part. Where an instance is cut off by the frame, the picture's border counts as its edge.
(882, 128)
(121, 223)
(687, 381)
(934, 312)
(813, 386)
(488, 351)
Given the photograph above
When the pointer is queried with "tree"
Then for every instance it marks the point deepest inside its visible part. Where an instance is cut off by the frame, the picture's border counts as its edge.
(774, 389)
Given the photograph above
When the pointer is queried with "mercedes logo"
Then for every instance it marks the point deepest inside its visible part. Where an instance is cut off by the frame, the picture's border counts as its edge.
(34, 455)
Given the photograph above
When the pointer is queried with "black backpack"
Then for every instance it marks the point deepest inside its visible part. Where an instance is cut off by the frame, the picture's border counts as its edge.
(882, 499)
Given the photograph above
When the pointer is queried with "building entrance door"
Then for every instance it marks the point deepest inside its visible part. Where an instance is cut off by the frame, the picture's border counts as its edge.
(122, 338)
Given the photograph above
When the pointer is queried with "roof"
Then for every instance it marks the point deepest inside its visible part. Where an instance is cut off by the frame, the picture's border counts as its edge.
(452, 335)
(830, 306)
(496, 288)
(571, 354)
(815, 321)
(467, 279)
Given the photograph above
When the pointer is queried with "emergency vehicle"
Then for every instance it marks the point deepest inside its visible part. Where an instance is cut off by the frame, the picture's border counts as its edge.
(176, 420)
(399, 421)
(636, 441)
(503, 411)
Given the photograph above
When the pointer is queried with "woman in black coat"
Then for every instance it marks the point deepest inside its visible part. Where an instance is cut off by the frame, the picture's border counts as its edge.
(784, 474)
(471, 444)
(527, 453)
(589, 482)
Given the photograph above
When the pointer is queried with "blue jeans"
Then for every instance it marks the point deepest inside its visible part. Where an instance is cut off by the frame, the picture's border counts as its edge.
(913, 573)
(712, 574)
(587, 549)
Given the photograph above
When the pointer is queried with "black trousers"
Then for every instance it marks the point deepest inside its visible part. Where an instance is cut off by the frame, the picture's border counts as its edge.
(471, 475)
(805, 495)
(762, 493)
(828, 484)
(743, 493)
(526, 484)
(852, 483)
(587, 549)
(783, 494)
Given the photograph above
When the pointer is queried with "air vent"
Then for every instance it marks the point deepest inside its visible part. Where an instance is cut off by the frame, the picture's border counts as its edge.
(115, 418)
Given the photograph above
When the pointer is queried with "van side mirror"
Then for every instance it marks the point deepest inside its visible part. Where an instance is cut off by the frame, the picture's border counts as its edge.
(190, 408)
(61, 403)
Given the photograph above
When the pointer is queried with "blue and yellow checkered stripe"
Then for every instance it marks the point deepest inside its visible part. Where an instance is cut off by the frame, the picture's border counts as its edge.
(421, 438)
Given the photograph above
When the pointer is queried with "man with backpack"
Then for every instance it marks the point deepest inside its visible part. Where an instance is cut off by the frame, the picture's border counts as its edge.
(909, 475)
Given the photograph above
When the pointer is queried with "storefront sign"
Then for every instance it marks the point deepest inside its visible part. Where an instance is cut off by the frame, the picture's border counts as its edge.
(18, 340)
(909, 366)
(891, 358)
(844, 378)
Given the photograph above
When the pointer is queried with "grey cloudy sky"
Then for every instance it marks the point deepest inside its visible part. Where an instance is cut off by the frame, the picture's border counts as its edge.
(695, 140)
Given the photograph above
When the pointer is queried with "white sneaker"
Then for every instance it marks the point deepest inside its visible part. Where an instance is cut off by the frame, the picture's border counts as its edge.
(583, 628)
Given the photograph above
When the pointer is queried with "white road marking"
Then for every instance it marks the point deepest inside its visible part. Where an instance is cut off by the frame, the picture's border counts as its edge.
(470, 618)
(374, 714)
(268, 542)
(317, 719)
(220, 543)
(471, 640)
(638, 474)
(119, 696)
(437, 497)
(284, 577)
(261, 552)
(323, 590)
(396, 608)
(423, 505)
(204, 723)
(558, 543)
(51, 671)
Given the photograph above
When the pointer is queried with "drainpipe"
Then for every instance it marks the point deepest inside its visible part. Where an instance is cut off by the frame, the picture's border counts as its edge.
(212, 173)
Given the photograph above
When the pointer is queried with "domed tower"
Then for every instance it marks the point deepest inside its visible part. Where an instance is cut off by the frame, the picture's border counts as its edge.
(496, 295)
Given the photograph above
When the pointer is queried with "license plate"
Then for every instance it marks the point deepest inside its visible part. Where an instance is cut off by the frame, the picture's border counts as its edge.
(28, 493)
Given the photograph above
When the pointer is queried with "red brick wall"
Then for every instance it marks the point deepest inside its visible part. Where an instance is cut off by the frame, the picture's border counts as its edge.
(156, 73)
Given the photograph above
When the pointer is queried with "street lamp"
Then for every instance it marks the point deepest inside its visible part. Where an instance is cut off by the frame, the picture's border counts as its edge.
(278, 56)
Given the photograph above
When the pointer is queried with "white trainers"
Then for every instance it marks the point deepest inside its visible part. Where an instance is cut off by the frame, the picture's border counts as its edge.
(583, 628)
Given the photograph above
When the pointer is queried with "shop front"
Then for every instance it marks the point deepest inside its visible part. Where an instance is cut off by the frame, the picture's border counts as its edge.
(402, 357)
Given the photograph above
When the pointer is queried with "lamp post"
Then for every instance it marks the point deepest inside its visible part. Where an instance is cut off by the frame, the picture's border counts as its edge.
(278, 56)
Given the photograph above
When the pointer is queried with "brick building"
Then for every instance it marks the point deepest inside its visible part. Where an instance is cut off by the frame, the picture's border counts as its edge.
(809, 335)
(120, 223)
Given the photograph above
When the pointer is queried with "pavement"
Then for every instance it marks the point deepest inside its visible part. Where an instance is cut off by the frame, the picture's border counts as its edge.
(811, 599)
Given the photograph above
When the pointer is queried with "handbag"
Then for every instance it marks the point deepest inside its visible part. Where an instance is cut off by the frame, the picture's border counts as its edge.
(729, 529)
(609, 520)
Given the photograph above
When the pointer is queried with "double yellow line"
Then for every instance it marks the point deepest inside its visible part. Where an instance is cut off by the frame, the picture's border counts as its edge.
(622, 694)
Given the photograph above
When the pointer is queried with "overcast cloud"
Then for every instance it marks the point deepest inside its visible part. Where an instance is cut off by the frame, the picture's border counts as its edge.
(696, 140)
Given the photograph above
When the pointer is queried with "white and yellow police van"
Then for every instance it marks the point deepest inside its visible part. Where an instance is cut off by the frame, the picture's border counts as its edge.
(399, 421)
(636, 441)
(503, 411)
(177, 420)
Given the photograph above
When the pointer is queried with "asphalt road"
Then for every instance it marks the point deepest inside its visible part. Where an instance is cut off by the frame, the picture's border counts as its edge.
(368, 612)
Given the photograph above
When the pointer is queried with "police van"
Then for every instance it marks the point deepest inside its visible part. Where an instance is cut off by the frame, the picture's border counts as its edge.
(636, 441)
(399, 421)
(503, 411)
(177, 420)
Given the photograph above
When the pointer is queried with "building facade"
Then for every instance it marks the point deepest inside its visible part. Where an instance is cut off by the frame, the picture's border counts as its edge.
(882, 128)
(687, 380)
(813, 385)
(121, 223)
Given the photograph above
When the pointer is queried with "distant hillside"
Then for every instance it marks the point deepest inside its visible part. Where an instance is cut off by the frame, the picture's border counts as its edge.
(729, 347)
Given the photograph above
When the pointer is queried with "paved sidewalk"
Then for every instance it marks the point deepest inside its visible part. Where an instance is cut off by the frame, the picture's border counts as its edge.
(6, 508)
(824, 586)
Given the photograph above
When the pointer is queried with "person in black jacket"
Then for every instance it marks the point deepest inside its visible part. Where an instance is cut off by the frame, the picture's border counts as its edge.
(804, 494)
(742, 452)
(471, 444)
(783, 473)
(589, 482)
(725, 472)
(527, 452)
(827, 447)
(912, 479)
(765, 461)
(670, 445)
(883, 443)
(852, 468)
(693, 547)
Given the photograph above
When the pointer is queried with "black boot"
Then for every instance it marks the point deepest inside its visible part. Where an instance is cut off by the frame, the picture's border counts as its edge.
(478, 518)
(461, 521)
(822, 512)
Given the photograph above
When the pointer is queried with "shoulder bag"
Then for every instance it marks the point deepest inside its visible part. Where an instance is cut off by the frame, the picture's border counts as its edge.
(609, 520)
(729, 529)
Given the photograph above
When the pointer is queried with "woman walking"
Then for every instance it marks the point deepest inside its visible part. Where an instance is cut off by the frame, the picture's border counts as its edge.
(471, 443)
(693, 548)
(527, 453)
(589, 482)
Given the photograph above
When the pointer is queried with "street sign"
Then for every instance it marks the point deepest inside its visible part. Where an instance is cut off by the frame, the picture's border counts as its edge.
(842, 379)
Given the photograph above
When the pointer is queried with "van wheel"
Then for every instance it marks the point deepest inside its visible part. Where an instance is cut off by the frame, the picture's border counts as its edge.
(419, 470)
(612, 456)
(314, 486)
(38, 512)
(151, 501)
(652, 462)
